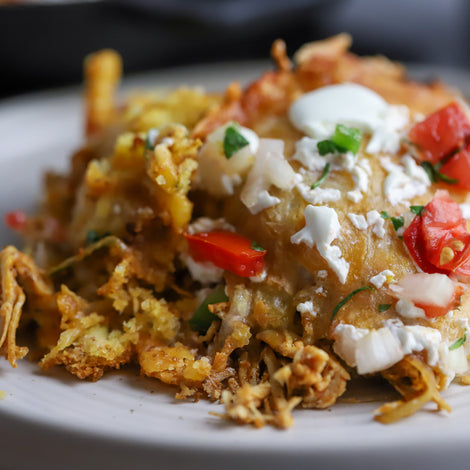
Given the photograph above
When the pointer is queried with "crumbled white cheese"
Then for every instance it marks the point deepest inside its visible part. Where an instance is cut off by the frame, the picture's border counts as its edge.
(321, 228)
(416, 338)
(319, 290)
(376, 221)
(307, 307)
(405, 181)
(205, 224)
(375, 350)
(354, 195)
(386, 136)
(359, 221)
(205, 272)
(407, 309)
(346, 338)
(307, 153)
(360, 178)
(322, 274)
(263, 201)
(317, 195)
(380, 279)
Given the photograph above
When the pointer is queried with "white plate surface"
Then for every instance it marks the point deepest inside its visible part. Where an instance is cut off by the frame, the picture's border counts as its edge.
(54, 421)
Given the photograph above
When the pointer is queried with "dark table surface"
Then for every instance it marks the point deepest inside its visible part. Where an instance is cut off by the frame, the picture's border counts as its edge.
(43, 45)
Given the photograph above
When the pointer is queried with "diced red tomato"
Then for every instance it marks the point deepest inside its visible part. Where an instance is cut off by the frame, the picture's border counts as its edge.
(16, 220)
(458, 168)
(414, 241)
(441, 133)
(438, 239)
(227, 250)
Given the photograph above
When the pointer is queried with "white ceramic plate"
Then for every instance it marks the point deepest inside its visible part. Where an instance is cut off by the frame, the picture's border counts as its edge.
(54, 421)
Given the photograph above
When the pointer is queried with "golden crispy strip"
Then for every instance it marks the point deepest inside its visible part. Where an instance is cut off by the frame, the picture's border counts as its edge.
(102, 75)
(318, 64)
(421, 389)
(15, 264)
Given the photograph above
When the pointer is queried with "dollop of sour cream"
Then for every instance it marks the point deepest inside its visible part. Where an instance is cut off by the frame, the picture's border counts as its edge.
(318, 112)
(217, 174)
(348, 103)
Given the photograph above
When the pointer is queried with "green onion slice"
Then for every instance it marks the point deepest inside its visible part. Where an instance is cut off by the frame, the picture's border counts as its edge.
(458, 343)
(202, 318)
(233, 141)
(323, 176)
(348, 138)
(349, 297)
(327, 146)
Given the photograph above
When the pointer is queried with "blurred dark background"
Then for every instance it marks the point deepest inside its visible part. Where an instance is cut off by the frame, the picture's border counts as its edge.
(42, 43)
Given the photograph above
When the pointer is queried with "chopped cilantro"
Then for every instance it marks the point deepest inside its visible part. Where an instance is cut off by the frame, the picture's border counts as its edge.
(349, 297)
(255, 246)
(323, 176)
(458, 343)
(417, 209)
(233, 141)
(384, 307)
(397, 222)
(384, 215)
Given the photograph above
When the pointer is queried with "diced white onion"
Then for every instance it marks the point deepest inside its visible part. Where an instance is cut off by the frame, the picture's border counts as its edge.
(426, 289)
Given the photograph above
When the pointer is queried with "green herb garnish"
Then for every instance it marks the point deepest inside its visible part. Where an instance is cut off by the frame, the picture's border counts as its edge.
(344, 139)
(233, 141)
(347, 137)
(322, 178)
(397, 222)
(347, 298)
(384, 307)
(104, 242)
(327, 146)
(435, 175)
(458, 343)
(417, 209)
(202, 318)
(255, 246)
